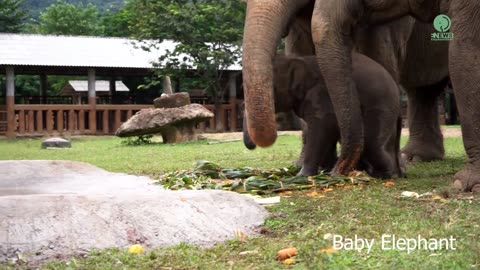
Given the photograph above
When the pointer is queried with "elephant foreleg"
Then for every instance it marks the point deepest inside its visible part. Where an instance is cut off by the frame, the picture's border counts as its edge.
(463, 64)
(425, 142)
(379, 155)
(300, 159)
(320, 147)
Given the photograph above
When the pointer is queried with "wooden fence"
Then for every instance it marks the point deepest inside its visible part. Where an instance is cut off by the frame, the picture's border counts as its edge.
(54, 120)
(3, 120)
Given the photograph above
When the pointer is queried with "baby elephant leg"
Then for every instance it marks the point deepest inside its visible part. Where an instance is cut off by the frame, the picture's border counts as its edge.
(320, 147)
(380, 127)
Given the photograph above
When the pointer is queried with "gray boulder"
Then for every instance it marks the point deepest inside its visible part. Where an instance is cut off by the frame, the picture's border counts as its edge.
(175, 124)
(56, 143)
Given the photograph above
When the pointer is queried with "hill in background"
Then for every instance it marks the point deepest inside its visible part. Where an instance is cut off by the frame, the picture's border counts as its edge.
(35, 7)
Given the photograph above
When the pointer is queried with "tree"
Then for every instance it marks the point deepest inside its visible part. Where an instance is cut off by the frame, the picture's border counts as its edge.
(69, 19)
(207, 32)
(12, 16)
(116, 21)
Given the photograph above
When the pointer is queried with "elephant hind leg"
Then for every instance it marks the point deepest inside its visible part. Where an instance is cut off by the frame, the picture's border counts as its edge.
(425, 142)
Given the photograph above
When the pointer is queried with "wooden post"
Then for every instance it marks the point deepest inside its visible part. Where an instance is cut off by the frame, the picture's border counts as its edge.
(118, 121)
(21, 122)
(92, 101)
(11, 125)
(167, 85)
(43, 89)
(60, 121)
(40, 121)
(113, 89)
(31, 126)
(232, 88)
(81, 122)
(71, 121)
(49, 122)
(105, 122)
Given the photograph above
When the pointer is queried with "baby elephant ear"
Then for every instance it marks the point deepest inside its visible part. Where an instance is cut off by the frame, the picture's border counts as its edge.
(301, 73)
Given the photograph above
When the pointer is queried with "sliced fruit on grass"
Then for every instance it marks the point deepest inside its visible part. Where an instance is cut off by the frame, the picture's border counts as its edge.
(286, 253)
(328, 250)
(135, 249)
(389, 183)
(289, 261)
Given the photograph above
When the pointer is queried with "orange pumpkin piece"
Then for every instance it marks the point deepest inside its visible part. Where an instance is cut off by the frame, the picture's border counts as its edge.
(286, 253)
(389, 183)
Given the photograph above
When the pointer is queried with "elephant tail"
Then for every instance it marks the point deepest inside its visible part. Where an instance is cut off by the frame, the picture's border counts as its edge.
(400, 166)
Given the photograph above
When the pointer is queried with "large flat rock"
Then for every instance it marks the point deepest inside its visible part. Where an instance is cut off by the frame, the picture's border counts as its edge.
(58, 209)
(153, 121)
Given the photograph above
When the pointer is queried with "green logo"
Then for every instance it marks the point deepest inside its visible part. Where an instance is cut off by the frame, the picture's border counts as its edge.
(442, 24)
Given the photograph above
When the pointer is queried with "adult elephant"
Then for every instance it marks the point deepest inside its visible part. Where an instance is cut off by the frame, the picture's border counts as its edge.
(335, 25)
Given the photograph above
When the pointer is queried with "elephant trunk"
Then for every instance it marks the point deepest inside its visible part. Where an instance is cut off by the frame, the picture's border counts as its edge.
(265, 23)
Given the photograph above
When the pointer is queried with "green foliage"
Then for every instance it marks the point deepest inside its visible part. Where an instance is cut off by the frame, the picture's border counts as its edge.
(69, 19)
(117, 21)
(207, 32)
(11, 16)
(140, 140)
(208, 175)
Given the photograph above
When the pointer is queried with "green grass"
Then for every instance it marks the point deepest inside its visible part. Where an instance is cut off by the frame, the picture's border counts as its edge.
(109, 153)
(298, 220)
(451, 126)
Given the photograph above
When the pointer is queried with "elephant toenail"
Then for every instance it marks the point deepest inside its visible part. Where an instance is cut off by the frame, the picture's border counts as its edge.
(476, 189)
(458, 185)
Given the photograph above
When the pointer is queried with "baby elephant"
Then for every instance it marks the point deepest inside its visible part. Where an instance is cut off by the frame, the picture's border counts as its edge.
(299, 86)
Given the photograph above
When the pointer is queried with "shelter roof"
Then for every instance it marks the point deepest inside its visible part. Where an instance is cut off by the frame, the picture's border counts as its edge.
(57, 54)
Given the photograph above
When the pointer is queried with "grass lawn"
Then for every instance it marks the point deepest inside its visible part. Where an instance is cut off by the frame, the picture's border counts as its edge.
(299, 220)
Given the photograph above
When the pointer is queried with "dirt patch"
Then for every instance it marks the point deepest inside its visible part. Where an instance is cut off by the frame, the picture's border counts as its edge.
(447, 132)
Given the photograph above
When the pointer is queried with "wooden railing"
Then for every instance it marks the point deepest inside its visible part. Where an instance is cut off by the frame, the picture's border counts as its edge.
(3, 120)
(54, 120)
(39, 120)
(229, 118)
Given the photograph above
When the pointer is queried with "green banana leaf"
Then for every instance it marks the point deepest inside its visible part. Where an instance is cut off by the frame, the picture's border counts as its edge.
(207, 175)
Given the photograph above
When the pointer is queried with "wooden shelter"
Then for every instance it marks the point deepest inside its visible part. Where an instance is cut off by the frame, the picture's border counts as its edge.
(80, 56)
(78, 90)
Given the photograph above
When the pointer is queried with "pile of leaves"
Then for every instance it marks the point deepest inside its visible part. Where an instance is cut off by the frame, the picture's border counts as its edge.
(207, 175)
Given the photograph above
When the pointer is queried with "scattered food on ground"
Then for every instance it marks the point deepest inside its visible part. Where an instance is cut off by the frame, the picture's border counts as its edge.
(207, 175)
(135, 249)
(286, 253)
(389, 183)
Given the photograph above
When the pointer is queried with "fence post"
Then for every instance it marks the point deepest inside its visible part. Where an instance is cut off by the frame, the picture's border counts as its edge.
(92, 101)
(232, 90)
(11, 125)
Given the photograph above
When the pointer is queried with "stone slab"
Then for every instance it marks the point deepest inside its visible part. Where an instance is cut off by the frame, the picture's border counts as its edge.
(59, 209)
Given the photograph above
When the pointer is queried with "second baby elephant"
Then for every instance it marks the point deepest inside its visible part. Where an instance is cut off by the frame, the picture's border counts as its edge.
(299, 86)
